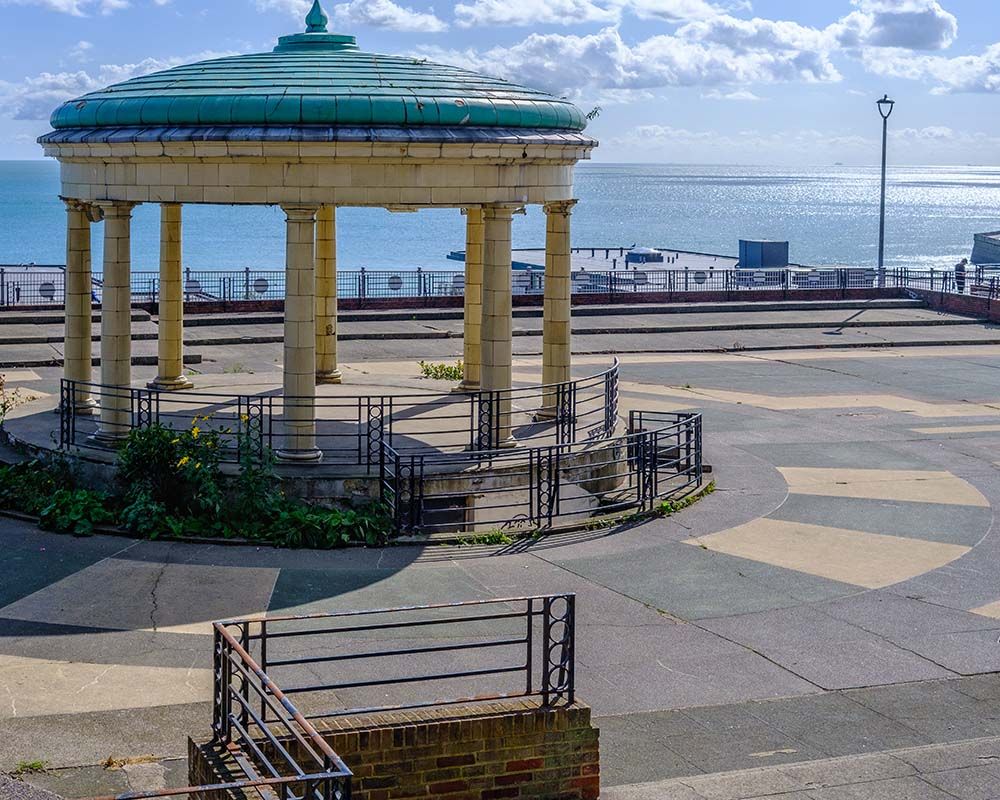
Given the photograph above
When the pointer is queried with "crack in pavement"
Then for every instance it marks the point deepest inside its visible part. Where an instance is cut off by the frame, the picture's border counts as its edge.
(155, 607)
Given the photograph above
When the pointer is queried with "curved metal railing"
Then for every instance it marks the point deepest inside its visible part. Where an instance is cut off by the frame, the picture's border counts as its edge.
(352, 429)
(546, 487)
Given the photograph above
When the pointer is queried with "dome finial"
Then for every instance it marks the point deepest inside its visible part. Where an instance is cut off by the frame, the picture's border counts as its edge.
(316, 19)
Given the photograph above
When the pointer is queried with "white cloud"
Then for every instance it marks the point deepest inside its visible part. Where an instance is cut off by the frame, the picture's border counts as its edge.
(911, 24)
(387, 14)
(934, 144)
(81, 50)
(576, 12)
(976, 73)
(297, 8)
(78, 8)
(532, 12)
(38, 96)
(374, 13)
(744, 95)
(680, 144)
(746, 35)
(586, 65)
(675, 10)
(930, 133)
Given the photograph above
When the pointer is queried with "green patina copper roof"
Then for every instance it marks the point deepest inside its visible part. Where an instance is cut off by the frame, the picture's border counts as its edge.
(318, 78)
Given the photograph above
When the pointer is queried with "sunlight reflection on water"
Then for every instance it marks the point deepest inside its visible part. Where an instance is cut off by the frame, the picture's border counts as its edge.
(829, 214)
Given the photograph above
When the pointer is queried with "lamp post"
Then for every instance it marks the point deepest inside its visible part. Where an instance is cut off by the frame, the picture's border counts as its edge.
(884, 109)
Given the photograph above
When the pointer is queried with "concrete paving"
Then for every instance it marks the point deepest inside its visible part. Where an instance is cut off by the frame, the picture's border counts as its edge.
(36, 340)
(837, 597)
(967, 770)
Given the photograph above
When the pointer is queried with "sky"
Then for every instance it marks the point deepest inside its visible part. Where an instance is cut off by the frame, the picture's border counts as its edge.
(779, 82)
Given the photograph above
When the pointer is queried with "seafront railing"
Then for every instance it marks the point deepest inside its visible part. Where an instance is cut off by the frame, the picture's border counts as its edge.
(21, 287)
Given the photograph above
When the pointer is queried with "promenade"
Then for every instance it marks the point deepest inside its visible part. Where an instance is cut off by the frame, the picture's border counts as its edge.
(248, 340)
(837, 597)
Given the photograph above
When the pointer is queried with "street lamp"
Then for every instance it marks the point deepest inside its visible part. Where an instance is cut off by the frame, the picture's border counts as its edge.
(884, 109)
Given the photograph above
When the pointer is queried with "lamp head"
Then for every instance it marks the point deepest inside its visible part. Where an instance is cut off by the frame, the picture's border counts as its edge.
(885, 106)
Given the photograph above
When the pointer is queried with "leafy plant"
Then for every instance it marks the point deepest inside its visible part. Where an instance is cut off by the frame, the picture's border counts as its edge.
(170, 484)
(76, 511)
(28, 767)
(442, 372)
(26, 486)
(299, 525)
(491, 537)
(179, 470)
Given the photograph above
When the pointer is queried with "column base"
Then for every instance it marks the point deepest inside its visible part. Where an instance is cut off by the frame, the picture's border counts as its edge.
(330, 377)
(299, 456)
(545, 414)
(109, 437)
(466, 388)
(83, 408)
(178, 384)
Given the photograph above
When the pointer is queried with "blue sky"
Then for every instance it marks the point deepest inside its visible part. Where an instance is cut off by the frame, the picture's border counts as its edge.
(697, 81)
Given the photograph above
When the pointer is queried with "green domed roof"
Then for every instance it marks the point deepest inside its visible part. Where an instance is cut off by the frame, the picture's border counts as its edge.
(317, 78)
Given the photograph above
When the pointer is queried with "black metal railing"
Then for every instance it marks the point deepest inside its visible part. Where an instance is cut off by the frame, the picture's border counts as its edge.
(355, 662)
(264, 739)
(30, 287)
(547, 487)
(352, 429)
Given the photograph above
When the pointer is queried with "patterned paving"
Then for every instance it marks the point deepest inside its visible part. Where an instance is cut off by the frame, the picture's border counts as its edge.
(845, 548)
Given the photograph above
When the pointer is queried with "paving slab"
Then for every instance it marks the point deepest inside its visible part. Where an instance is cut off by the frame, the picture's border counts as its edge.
(931, 772)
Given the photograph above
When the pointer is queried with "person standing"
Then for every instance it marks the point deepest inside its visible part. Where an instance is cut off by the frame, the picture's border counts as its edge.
(960, 268)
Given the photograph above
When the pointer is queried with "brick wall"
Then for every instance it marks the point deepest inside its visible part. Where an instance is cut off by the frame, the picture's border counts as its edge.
(966, 304)
(488, 751)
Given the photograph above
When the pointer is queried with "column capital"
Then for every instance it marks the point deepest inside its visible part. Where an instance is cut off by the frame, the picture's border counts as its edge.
(564, 207)
(94, 213)
(501, 210)
(300, 213)
(115, 208)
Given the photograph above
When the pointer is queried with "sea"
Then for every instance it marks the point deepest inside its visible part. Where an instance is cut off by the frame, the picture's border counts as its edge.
(829, 215)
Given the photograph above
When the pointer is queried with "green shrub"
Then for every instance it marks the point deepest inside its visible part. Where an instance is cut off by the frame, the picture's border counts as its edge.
(170, 484)
(76, 511)
(27, 486)
(176, 469)
(442, 372)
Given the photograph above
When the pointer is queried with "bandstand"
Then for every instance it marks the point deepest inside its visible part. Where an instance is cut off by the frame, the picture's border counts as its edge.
(317, 124)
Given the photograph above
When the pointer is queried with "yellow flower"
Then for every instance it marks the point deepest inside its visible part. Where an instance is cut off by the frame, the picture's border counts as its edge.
(195, 431)
(244, 417)
(183, 461)
(197, 465)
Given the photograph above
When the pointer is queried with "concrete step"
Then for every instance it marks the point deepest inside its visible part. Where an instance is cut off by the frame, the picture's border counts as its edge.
(56, 317)
(194, 319)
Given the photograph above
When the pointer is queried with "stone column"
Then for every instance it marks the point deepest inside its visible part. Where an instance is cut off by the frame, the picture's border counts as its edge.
(556, 311)
(326, 296)
(77, 347)
(497, 313)
(170, 331)
(473, 317)
(116, 321)
(300, 336)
